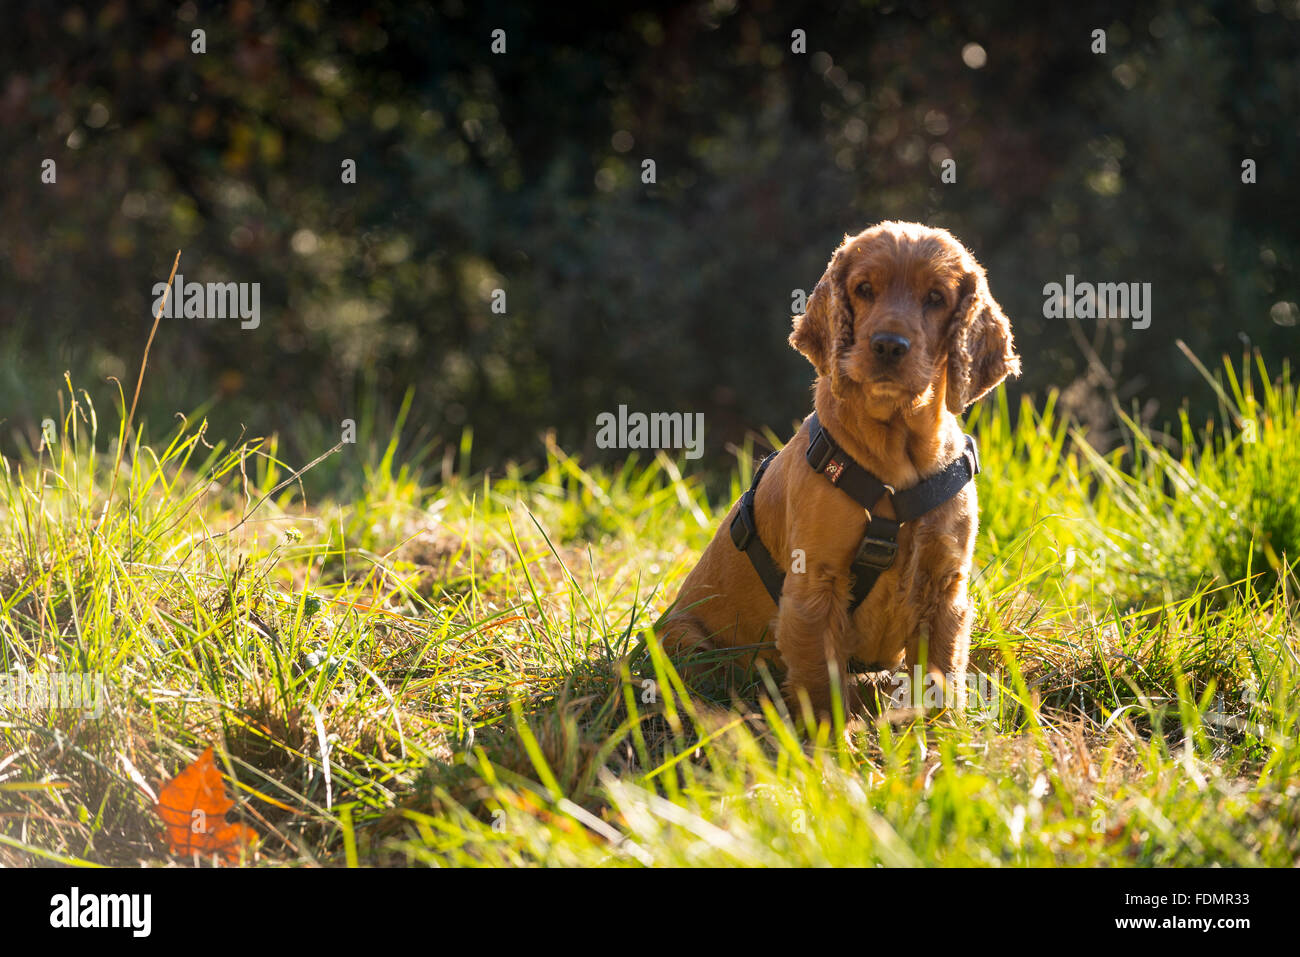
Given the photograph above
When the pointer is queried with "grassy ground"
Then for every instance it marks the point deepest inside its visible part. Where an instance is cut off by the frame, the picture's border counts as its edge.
(448, 669)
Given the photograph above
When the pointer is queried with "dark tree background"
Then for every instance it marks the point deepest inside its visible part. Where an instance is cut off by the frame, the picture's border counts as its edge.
(522, 172)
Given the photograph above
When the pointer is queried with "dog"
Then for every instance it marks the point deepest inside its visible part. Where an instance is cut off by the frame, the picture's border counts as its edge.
(904, 336)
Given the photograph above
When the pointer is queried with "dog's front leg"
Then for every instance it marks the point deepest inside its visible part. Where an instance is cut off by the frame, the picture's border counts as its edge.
(937, 653)
(811, 629)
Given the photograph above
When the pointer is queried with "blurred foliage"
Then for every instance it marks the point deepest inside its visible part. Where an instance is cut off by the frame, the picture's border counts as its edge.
(522, 172)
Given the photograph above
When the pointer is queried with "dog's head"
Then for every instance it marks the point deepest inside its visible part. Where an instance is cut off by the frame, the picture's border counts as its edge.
(903, 309)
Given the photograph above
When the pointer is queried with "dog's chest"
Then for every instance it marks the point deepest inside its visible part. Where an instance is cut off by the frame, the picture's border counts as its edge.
(901, 600)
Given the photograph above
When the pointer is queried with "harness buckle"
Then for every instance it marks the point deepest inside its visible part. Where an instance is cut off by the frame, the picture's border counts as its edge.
(742, 527)
(820, 451)
(876, 553)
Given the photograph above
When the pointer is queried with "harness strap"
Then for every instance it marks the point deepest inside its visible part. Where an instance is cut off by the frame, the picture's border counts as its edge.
(744, 535)
(875, 554)
(880, 543)
(826, 456)
(911, 503)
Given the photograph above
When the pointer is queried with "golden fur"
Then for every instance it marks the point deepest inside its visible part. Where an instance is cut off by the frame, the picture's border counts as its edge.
(899, 420)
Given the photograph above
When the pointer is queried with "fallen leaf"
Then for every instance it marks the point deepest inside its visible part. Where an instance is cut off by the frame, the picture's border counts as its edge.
(193, 807)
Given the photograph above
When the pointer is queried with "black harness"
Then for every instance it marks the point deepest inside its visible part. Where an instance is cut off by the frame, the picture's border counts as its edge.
(880, 544)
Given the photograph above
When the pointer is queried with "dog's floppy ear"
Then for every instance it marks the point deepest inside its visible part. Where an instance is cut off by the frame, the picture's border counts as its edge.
(818, 330)
(981, 351)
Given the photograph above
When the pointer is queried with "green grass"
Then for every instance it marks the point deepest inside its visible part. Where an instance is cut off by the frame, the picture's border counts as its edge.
(445, 668)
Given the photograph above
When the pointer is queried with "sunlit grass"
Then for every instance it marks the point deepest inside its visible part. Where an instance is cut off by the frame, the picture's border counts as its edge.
(452, 668)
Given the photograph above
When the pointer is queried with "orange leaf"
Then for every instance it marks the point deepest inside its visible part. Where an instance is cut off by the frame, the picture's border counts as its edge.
(193, 807)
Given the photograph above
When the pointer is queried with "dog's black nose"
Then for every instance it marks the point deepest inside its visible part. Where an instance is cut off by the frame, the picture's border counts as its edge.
(889, 347)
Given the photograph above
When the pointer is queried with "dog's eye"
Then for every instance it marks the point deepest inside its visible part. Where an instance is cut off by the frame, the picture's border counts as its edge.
(935, 298)
(865, 290)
